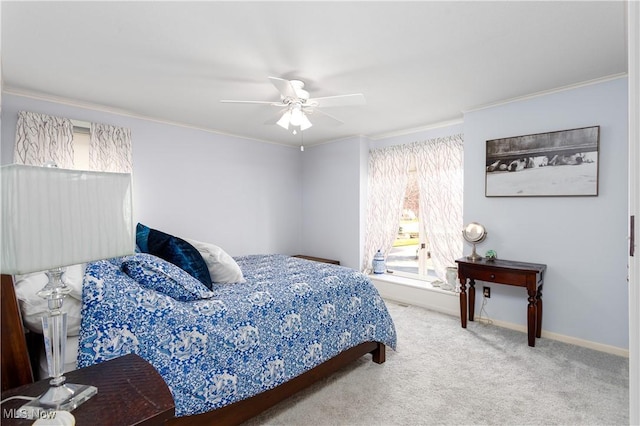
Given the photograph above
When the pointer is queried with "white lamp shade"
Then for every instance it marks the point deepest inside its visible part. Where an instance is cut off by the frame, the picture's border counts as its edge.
(305, 123)
(284, 120)
(56, 217)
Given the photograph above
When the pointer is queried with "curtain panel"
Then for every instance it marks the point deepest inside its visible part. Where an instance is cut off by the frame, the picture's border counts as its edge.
(42, 139)
(439, 164)
(110, 149)
(388, 175)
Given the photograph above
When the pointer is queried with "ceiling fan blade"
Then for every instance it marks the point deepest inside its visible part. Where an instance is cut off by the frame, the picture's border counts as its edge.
(229, 101)
(339, 100)
(332, 120)
(284, 87)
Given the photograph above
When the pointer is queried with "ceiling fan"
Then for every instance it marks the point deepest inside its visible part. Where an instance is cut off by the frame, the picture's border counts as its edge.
(296, 104)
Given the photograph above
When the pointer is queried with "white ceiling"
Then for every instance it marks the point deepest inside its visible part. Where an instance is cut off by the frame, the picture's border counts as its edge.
(417, 63)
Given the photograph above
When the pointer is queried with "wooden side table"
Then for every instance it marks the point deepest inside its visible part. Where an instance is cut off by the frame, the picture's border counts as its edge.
(521, 274)
(318, 259)
(130, 392)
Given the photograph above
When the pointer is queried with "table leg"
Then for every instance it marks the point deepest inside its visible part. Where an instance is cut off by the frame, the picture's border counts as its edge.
(472, 298)
(531, 317)
(463, 302)
(539, 313)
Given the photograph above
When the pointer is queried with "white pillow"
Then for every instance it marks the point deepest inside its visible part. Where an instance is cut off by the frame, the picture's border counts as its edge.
(33, 307)
(222, 268)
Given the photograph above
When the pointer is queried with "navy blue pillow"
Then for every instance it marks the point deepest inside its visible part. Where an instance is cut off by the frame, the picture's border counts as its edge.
(142, 235)
(174, 250)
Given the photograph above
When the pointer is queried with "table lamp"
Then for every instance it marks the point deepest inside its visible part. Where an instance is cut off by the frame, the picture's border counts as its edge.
(52, 218)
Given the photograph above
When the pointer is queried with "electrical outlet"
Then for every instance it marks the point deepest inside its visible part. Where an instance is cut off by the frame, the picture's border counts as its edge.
(486, 292)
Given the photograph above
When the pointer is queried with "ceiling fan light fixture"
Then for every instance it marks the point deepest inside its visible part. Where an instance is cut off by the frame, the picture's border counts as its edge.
(298, 104)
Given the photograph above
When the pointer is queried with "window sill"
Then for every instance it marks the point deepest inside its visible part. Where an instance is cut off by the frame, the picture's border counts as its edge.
(411, 291)
(411, 282)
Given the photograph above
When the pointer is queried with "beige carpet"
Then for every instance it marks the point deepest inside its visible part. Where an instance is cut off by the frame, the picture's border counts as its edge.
(443, 374)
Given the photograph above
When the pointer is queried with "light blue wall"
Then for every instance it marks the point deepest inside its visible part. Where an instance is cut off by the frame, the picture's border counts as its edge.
(583, 240)
(240, 194)
(333, 186)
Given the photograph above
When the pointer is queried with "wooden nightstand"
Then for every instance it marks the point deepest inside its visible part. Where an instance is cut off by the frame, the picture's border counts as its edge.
(318, 259)
(130, 392)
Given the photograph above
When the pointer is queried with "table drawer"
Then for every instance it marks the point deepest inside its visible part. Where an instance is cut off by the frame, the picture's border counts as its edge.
(496, 276)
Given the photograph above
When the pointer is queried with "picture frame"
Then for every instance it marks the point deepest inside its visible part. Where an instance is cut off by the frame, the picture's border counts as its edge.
(560, 163)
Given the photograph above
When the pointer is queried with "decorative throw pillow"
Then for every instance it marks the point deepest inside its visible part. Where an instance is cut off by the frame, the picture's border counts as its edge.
(222, 267)
(142, 235)
(174, 250)
(157, 274)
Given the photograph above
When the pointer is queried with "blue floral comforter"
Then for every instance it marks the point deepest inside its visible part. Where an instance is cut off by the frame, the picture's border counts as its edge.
(291, 315)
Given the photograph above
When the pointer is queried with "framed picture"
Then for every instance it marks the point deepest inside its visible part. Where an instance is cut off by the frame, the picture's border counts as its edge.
(554, 164)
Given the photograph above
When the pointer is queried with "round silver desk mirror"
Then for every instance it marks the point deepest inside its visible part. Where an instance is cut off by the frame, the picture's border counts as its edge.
(474, 233)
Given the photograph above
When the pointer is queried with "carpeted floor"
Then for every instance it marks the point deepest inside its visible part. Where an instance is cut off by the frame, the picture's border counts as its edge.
(446, 375)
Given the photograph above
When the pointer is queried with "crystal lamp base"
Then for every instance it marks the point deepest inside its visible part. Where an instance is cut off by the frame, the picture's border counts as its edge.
(66, 397)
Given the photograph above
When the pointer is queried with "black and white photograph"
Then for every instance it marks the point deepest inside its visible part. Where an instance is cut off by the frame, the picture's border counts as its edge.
(559, 163)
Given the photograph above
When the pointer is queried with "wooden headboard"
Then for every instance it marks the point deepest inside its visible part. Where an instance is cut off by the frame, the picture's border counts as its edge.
(16, 364)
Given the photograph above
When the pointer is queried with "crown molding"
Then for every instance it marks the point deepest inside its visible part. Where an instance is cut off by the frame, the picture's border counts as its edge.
(547, 92)
(427, 127)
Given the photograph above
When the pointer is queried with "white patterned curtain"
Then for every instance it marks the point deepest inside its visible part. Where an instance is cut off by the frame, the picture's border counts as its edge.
(41, 139)
(440, 179)
(388, 175)
(110, 149)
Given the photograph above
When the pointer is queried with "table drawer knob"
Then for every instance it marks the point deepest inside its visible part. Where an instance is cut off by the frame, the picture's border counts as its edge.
(492, 276)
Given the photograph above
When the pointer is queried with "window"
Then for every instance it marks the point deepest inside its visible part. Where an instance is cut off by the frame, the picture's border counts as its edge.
(410, 254)
(417, 221)
(71, 144)
(81, 140)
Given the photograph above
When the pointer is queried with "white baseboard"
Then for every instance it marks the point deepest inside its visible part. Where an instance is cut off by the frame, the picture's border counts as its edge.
(614, 350)
(419, 293)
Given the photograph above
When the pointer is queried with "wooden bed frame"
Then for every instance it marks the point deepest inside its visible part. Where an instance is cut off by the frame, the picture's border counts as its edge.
(17, 369)
(241, 411)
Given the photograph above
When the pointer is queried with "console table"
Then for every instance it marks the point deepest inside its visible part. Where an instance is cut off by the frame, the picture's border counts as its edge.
(520, 274)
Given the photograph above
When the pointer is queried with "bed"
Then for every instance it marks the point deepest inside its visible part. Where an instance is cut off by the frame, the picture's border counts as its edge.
(233, 350)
